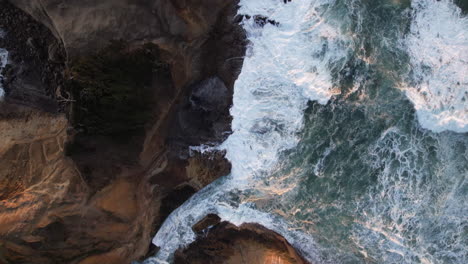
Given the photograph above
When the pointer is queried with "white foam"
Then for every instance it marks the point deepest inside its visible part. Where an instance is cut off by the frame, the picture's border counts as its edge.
(438, 49)
(419, 212)
(176, 230)
(285, 67)
(3, 63)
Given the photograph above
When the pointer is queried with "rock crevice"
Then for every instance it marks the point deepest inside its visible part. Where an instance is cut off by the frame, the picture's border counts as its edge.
(73, 191)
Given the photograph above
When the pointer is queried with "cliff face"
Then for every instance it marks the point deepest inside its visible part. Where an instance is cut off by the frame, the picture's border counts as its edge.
(68, 195)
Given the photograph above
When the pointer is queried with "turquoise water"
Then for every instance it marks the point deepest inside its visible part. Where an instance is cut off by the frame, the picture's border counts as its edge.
(350, 133)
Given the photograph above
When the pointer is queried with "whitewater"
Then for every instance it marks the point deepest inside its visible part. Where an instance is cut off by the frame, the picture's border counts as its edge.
(350, 121)
(3, 63)
(438, 46)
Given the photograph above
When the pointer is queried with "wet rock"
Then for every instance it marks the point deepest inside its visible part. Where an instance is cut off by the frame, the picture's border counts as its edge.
(259, 20)
(207, 222)
(205, 114)
(30, 79)
(263, 20)
(175, 199)
(204, 168)
(230, 244)
(210, 95)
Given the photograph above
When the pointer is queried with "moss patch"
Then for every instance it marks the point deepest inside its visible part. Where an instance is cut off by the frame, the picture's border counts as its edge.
(112, 88)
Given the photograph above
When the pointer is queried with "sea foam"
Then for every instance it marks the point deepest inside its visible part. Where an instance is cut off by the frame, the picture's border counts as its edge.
(286, 66)
(438, 48)
(3, 63)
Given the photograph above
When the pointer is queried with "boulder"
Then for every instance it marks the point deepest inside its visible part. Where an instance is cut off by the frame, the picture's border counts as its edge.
(229, 244)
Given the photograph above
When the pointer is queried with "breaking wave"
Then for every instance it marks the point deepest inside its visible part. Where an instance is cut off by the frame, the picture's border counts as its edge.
(345, 166)
(286, 65)
(3, 63)
(438, 48)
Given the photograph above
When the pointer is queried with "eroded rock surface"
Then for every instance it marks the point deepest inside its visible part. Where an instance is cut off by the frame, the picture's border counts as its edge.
(102, 201)
(48, 212)
(87, 25)
(34, 73)
(229, 244)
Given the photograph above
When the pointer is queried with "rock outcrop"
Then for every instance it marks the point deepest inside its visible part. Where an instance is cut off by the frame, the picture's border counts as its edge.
(68, 195)
(223, 242)
(34, 73)
(84, 26)
(48, 212)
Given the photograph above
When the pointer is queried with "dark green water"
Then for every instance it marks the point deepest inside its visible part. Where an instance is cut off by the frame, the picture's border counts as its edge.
(370, 182)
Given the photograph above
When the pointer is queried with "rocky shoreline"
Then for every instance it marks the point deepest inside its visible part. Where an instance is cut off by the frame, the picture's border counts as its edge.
(223, 242)
(72, 194)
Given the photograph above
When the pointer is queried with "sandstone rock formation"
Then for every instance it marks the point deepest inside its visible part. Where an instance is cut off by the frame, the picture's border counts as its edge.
(67, 196)
(247, 244)
(48, 212)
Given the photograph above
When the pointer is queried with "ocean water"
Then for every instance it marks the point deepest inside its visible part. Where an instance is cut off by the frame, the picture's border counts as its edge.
(3, 62)
(438, 49)
(350, 133)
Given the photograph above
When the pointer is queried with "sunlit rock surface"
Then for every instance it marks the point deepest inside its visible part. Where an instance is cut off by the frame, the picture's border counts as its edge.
(104, 202)
(247, 244)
